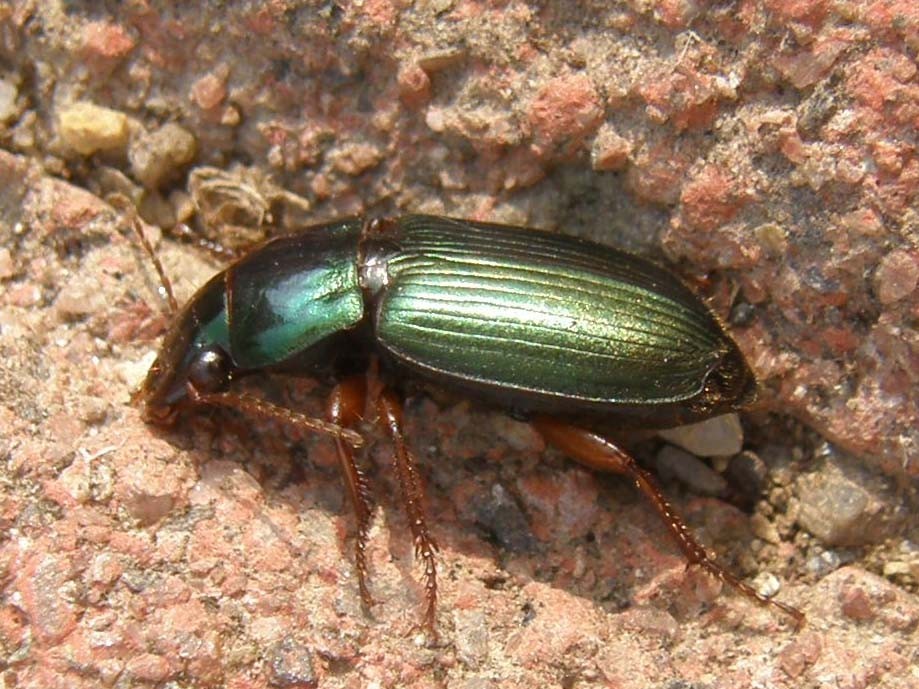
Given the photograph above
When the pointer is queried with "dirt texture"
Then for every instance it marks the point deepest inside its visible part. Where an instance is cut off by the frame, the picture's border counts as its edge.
(766, 150)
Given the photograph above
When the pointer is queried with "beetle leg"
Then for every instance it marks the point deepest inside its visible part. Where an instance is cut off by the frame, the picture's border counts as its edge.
(217, 251)
(390, 414)
(597, 452)
(344, 408)
(254, 406)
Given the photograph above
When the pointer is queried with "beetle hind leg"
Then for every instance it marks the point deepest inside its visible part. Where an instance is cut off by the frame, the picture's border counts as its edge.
(390, 414)
(598, 453)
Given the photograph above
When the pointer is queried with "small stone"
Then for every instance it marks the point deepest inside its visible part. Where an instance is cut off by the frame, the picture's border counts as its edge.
(767, 584)
(896, 276)
(290, 664)
(148, 667)
(77, 300)
(355, 158)
(772, 237)
(133, 372)
(609, 151)
(896, 569)
(520, 436)
(231, 117)
(438, 60)
(844, 505)
(672, 462)
(687, 98)
(7, 266)
(436, 119)
(77, 481)
(210, 90)
(747, 473)
(110, 180)
(764, 529)
(471, 636)
(156, 210)
(8, 95)
(40, 582)
(720, 436)
(87, 128)
(712, 198)
(499, 514)
(159, 156)
(800, 654)
(183, 206)
(823, 563)
(856, 604)
(106, 41)
(564, 113)
(414, 85)
(149, 488)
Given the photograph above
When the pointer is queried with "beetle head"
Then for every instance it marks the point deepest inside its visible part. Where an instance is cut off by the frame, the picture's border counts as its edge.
(193, 357)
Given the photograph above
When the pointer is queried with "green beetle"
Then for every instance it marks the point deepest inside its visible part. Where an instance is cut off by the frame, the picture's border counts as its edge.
(567, 333)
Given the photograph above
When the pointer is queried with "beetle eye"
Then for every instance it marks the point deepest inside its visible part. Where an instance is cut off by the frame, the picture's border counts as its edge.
(210, 370)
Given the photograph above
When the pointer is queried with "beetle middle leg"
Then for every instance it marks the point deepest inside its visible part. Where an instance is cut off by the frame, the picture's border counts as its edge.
(345, 408)
(596, 452)
(389, 410)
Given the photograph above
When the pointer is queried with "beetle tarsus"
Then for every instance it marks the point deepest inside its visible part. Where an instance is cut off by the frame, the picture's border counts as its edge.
(597, 452)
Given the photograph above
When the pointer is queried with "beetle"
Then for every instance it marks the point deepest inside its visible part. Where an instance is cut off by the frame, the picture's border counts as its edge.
(568, 334)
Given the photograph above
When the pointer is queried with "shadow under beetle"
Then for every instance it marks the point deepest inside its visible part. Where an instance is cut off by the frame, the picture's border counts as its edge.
(567, 333)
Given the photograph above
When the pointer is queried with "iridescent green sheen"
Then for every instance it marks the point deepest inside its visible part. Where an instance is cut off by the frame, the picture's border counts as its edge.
(292, 293)
(544, 314)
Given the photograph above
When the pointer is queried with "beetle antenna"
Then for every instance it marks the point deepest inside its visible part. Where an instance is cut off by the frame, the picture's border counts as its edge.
(124, 204)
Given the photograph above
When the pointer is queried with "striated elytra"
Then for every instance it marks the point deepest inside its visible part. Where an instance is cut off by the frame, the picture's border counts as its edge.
(567, 333)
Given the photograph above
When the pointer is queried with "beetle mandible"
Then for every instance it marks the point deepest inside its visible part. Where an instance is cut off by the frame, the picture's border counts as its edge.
(561, 331)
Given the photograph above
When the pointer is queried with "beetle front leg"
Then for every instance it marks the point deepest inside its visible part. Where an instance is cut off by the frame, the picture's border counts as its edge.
(390, 415)
(217, 251)
(596, 452)
(345, 408)
(253, 406)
